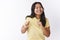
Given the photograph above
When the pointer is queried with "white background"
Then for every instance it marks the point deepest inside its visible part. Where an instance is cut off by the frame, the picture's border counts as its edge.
(12, 16)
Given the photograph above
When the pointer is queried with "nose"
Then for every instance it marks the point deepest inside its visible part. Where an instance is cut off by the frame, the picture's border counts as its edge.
(39, 9)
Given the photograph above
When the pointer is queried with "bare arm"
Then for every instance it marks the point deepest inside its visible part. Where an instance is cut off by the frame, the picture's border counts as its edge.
(25, 27)
(46, 30)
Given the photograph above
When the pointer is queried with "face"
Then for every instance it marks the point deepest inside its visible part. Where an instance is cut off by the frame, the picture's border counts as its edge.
(38, 9)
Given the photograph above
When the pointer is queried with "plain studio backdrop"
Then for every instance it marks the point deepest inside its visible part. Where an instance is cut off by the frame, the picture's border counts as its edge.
(13, 13)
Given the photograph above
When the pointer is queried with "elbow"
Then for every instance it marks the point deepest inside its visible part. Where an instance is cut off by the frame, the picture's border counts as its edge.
(22, 31)
(48, 34)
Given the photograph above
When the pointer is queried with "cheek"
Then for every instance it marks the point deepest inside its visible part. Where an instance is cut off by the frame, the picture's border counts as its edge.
(42, 9)
(35, 10)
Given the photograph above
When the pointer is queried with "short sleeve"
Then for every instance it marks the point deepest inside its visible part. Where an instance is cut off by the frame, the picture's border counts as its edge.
(47, 23)
(27, 19)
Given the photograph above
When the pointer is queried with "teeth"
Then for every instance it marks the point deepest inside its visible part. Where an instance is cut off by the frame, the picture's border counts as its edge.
(38, 11)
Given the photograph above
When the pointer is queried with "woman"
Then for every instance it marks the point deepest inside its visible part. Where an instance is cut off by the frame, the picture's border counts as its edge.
(36, 25)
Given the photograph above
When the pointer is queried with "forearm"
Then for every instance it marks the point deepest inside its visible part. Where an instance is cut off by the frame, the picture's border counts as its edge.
(24, 28)
(46, 31)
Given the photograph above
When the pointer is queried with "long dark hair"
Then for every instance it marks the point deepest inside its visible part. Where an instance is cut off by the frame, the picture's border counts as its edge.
(42, 16)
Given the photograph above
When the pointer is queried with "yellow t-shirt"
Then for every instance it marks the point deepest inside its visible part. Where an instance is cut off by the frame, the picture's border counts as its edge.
(34, 31)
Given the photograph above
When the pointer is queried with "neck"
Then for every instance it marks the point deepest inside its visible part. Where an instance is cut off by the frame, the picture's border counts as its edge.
(38, 16)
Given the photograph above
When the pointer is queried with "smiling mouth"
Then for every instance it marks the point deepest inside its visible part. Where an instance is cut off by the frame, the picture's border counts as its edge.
(38, 11)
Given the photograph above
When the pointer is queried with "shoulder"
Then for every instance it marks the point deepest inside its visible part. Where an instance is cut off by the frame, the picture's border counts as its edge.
(47, 22)
(46, 19)
(28, 18)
